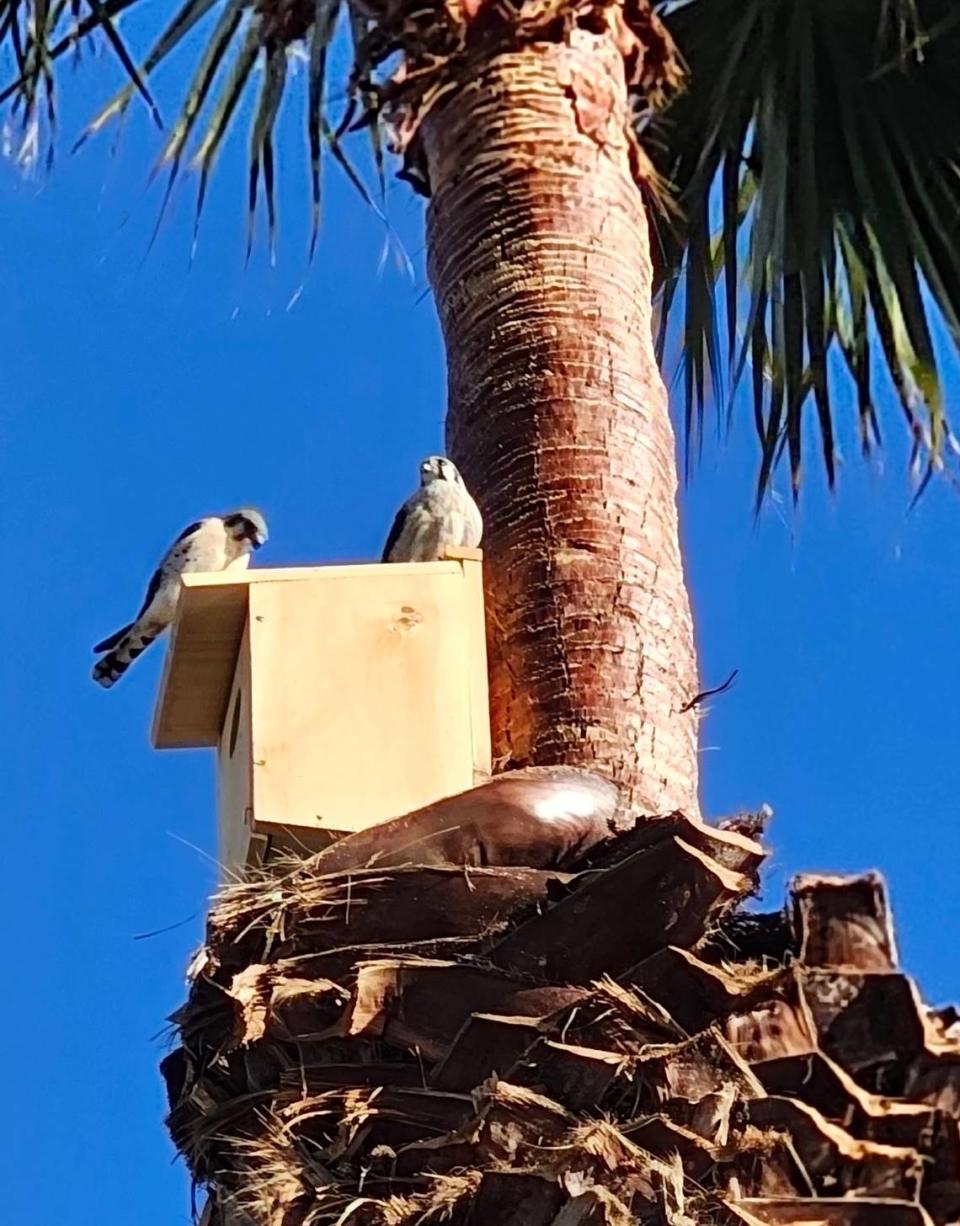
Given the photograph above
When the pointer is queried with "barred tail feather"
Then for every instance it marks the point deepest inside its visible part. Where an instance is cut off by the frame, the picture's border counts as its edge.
(110, 669)
(108, 644)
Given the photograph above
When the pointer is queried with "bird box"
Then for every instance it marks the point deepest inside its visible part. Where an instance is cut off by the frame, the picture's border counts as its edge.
(336, 697)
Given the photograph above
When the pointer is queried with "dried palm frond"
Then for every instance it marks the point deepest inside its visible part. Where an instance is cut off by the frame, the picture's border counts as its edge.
(688, 1090)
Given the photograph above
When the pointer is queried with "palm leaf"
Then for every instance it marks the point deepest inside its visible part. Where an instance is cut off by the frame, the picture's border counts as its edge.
(324, 23)
(822, 142)
(361, 27)
(35, 33)
(105, 23)
(245, 32)
(261, 141)
(815, 154)
(179, 27)
(230, 94)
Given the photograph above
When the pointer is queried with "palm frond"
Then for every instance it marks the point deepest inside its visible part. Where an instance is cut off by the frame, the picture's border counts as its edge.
(816, 156)
(223, 108)
(247, 35)
(261, 141)
(324, 23)
(39, 34)
(179, 27)
(105, 23)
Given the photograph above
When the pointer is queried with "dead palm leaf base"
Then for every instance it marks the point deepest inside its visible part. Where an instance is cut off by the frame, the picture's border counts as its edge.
(520, 1046)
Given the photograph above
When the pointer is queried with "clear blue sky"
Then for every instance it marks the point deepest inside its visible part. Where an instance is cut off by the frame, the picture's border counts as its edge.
(137, 396)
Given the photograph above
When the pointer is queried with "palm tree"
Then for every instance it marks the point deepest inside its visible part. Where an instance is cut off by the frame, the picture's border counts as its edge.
(799, 162)
(796, 161)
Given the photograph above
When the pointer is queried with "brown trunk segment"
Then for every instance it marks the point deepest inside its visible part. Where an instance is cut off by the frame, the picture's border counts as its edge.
(539, 258)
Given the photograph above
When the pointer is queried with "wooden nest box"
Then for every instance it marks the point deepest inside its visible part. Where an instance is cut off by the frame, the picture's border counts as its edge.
(336, 697)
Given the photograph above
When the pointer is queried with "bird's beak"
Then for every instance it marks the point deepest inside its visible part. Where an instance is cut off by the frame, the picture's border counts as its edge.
(257, 538)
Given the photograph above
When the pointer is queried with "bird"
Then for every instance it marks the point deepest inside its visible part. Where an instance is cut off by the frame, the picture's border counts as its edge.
(440, 514)
(217, 543)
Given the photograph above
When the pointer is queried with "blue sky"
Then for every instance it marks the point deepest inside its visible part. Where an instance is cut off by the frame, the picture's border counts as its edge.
(138, 394)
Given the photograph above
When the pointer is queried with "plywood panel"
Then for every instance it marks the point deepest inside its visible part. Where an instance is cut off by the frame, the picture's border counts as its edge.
(200, 662)
(205, 639)
(475, 629)
(235, 800)
(362, 694)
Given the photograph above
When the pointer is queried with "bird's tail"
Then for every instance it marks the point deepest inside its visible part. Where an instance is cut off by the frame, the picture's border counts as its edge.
(125, 649)
(108, 644)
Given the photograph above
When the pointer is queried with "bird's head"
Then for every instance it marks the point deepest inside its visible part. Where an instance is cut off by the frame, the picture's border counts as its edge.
(439, 468)
(247, 525)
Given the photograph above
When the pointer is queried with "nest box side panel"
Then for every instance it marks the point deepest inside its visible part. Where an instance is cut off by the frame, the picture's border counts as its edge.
(362, 705)
(476, 626)
(234, 767)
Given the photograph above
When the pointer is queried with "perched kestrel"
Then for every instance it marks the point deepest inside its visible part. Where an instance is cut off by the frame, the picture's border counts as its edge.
(439, 514)
(221, 542)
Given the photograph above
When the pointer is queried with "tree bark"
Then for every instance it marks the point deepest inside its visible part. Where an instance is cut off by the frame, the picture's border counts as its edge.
(538, 253)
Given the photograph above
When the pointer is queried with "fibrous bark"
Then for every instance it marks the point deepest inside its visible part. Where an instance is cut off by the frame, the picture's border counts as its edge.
(538, 253)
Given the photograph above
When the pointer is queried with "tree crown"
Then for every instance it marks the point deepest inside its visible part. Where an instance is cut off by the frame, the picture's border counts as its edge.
(807, 154)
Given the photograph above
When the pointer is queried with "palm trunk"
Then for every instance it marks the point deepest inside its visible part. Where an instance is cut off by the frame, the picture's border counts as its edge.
(539, 258)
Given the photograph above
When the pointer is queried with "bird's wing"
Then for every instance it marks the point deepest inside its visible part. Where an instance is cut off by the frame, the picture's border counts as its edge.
(175, 555)
(188, 531)
(395, 531)
(473, 522)
(152, 588)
